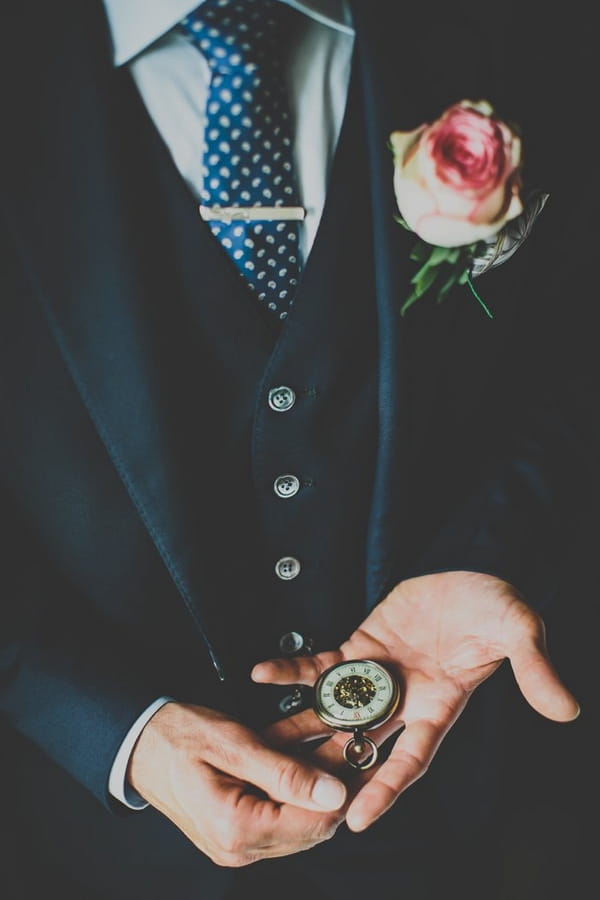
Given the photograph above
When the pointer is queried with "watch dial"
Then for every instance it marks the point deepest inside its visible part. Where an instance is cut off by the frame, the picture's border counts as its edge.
(356, 694)
(354, 691)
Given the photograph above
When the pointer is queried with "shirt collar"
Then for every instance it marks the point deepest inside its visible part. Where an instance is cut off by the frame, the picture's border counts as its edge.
(135, 24)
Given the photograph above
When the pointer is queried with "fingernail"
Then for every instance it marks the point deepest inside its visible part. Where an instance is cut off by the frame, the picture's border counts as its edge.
(329, 793)
(356, 825)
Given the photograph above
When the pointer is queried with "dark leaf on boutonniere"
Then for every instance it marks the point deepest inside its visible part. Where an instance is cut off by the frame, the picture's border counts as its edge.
(499, 249)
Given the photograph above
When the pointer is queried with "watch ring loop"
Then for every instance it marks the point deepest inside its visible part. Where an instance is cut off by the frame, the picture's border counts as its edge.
(357, 744)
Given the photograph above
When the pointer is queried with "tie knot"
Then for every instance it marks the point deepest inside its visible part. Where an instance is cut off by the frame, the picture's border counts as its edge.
(237, 35)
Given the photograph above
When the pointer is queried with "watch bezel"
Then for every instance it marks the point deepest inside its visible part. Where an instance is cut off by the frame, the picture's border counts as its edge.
(367, 724)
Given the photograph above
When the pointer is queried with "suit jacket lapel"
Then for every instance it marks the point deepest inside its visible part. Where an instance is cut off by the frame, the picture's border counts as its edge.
(385, 111)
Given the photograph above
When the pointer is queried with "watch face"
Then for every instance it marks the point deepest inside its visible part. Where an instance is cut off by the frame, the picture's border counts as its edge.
(358, 693)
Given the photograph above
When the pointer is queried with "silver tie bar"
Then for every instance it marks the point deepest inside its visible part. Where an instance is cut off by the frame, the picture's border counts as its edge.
(229, 214)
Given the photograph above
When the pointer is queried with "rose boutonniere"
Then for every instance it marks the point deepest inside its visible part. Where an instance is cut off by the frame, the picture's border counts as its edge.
(458, 184)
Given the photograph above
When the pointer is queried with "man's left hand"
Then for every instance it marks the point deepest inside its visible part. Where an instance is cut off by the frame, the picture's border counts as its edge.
(441, 635)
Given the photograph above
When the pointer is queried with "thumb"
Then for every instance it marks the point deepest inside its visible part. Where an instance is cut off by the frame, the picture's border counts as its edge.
(284, 778)
(539, 681)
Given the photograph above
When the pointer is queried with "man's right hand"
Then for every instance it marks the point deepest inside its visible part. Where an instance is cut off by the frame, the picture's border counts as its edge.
(235, 797)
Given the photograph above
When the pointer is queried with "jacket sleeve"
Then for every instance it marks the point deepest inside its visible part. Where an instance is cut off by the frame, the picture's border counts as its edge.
(67, 682)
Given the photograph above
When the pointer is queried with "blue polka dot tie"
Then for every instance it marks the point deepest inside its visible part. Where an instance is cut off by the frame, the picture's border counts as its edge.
(247, 158)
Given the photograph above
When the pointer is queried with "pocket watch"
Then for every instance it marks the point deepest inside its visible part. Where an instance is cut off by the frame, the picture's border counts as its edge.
(356, 695)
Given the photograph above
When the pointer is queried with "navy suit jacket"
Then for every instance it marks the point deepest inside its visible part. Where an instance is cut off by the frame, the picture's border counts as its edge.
(130, 391)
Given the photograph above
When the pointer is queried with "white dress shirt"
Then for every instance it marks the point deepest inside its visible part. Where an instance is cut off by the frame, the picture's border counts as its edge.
(172, 78)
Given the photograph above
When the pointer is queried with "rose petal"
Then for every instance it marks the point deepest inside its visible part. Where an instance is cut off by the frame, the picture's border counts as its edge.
(402, 141)
(515, 209)
(443, 231)
(457, 180)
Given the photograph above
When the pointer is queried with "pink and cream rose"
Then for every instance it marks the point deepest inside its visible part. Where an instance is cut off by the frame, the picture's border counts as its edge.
(457, 180)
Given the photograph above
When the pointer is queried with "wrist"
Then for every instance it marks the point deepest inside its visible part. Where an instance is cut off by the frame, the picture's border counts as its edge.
(147, 748)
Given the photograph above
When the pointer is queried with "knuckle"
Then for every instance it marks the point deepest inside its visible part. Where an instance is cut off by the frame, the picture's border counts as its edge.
(413, 766)
(233, 845)
(326, 828)
(291, 779)
(238, 860)
(231, 860)
(229, 749)
(227, 835)
(235, 842)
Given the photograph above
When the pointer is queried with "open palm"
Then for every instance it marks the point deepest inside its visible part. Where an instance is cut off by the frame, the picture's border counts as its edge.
(442, 635)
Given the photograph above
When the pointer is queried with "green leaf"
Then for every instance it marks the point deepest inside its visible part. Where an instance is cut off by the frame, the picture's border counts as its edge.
(452, 263)
(427, 276)
(402, 222)
(447, 285)
(408, 303)
(419, 252)
(439, 255)
(419, 274)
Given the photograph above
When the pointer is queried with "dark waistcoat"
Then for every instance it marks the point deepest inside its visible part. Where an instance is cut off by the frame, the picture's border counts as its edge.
(324, 359)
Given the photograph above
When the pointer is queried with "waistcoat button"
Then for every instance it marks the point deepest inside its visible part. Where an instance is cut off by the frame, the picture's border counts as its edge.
(291, 701)
(286, 485)
(281, 398)
(287, 567)
(291, 643)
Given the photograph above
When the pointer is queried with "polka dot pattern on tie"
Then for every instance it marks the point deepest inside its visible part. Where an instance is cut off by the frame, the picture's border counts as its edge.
(247, 158)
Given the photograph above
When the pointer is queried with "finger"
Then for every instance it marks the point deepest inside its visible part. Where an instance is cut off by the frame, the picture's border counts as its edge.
(284, 778)
(304, 726)
(539, 682)
(408, 760)
(317, 742)
(297, 670)
(250, 827)
(326, 749)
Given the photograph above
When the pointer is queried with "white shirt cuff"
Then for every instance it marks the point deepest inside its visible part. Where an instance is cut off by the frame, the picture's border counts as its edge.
(117, 780)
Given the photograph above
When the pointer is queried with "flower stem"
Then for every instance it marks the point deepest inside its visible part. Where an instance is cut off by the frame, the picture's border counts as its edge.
(478, 298)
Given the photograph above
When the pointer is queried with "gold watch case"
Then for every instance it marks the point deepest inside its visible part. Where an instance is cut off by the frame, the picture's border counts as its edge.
(356, 695)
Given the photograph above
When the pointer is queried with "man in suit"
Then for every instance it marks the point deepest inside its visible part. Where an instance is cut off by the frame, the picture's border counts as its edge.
(198, 477)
